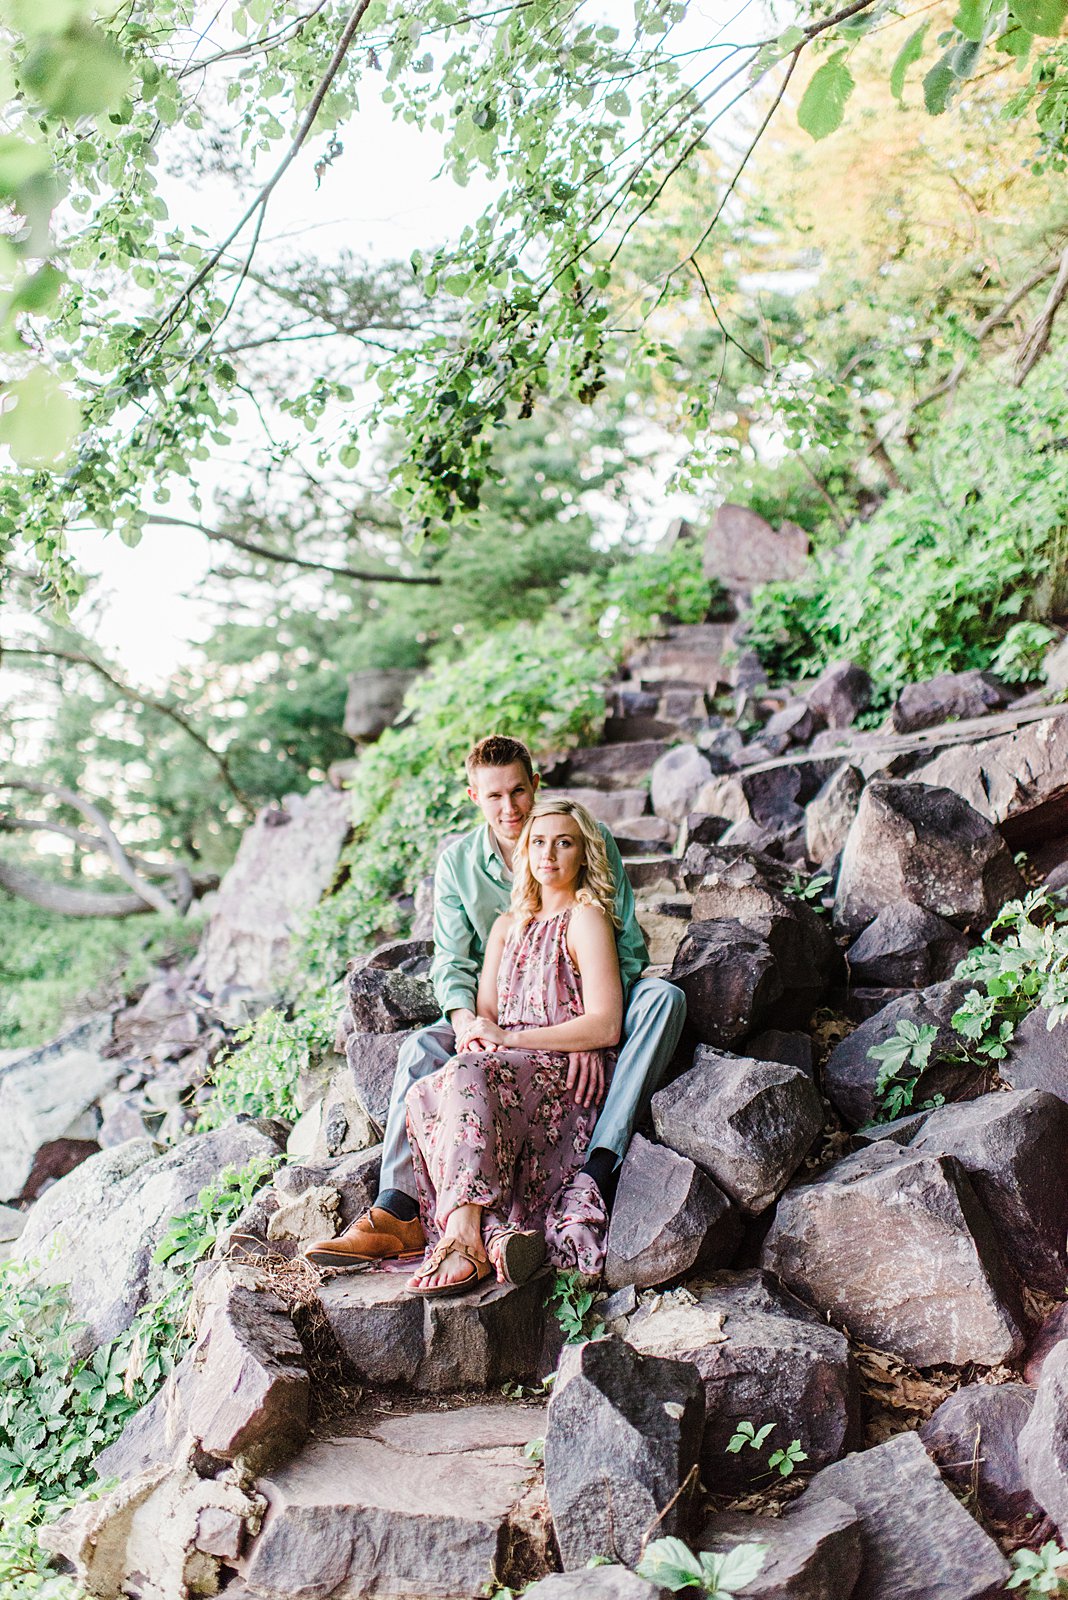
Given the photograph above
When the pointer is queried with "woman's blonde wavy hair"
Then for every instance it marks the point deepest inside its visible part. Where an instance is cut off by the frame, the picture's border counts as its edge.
(595, 887)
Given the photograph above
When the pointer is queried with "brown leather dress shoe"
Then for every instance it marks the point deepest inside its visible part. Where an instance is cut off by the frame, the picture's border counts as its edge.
(377, 1235)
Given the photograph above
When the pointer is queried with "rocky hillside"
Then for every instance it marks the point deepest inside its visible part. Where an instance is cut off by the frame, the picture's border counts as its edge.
(835, 1320)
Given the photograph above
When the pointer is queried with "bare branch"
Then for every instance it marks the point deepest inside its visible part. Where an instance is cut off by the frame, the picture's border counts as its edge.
(1036, 341)
(255, 549)
(69, 902)
(138, 697)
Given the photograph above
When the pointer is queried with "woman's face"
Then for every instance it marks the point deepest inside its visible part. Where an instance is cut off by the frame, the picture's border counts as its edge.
(556, 851)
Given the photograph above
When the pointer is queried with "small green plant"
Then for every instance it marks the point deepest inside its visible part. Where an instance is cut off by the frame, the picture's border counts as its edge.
(673, 1565)
(191, 1236)
(1043, 1571)
(534, 1449)
(24, 1569)
(572, 1301)
(784, 1461)
(902, 1060)
(810, 890)
(745, 1434)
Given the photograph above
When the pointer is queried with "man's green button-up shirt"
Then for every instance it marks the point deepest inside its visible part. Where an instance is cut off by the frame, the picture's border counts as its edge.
(471, 892)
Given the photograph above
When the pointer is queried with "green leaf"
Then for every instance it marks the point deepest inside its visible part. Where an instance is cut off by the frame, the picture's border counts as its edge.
(40, 422)
(971, 19)
(76, 74)
(671, 1564)
(20, 159)
(940, 85)
(907, 56)
(824, 101)
(1044, 17)
(741, 1565)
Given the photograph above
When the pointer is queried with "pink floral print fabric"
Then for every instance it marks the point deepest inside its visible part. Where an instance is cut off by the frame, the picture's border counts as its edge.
(500, 1129)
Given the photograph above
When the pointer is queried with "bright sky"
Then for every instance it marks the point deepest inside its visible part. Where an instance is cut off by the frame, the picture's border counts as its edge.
(381, 199)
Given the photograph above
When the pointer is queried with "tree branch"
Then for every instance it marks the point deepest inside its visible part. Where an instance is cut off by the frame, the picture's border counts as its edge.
(153, 897)
(1036, 340)
(68, 902)
(294, 561)
(138, 697)
(201, 881)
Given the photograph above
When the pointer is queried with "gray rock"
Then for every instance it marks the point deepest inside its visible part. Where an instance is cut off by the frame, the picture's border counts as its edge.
(730, 979)
(850, 1074)
(126, 1119)
(474, 1341)
(667, 1218)
(598, 1583)
(625, 765)
(840, 694)
(675, 780)
(893, 1244)
(900, 1498)
(374, 701)
(1038, 1056)
(285, 862)
(829, 816)
(911, 841)
(722, 747)
(742, 550)
(247, 1390)
(96, 1229)
(951, 695)
(763, 1357)
(343, 1126)
(1052, 1331)
(609, 806)
(1018, 781)
(382, 1000)
(1014, 1148)
(430, 1504)
(1043, 1440)
(623, 1437)
(906, 946)
(974, 1438)
(792, 1049)
(43, 1095)
(797, 720)
(814, 1551)
(771, 801)
(748, 1124)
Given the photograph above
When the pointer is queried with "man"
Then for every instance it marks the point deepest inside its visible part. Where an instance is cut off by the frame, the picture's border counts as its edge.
(472, 887)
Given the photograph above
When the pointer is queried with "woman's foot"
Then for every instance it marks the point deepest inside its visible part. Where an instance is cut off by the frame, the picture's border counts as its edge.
(459, 1261)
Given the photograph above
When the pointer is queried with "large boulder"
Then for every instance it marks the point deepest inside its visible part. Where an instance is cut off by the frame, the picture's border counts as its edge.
(974, 1437)
(1043, 1440)
(906, 947)
(676, 779)
(44, 1096)
(812, 1552)
(893, 1244)
(1018, 781)
(841, 694)
(388, 1000)
(919, 1542)
(1038, 1055)
(748, 1124)
(1014, 1148)
(667, 1218)
(829, 815)
(374, 701)
(915, 842)
(758, 892)
(621, 1445)
(850, 1074)
(956, 695)
(96, 1229)
(763, 1357)
(742, 550)
(428, 1504)
(730, 979)
(284, 864)
(1051, 1331)
(624, 765)
(474, 1341)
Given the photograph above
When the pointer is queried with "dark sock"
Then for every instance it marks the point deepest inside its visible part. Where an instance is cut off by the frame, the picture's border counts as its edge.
(398, 1204)
(603, 1167)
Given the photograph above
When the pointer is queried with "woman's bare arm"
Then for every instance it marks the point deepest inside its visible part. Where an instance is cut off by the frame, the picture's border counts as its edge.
(486, 1004)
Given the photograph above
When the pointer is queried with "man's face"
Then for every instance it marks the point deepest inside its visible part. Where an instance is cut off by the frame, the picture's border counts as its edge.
(504, 795)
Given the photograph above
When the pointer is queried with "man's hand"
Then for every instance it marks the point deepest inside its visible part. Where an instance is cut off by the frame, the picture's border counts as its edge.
(483, 1035)
(462, 1022)
(585, 1076)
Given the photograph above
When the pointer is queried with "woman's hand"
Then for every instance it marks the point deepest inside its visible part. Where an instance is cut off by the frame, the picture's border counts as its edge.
(482, 1034)
(585, 1075)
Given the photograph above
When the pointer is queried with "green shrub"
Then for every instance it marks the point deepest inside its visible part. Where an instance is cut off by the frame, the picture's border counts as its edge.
(958, 570)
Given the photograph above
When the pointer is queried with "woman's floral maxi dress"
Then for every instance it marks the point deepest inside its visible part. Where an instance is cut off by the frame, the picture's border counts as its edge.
(501, 1130)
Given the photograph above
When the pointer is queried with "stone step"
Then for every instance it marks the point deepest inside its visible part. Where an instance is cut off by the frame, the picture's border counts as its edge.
(627, 730)
(437, 1503)
(694, 654)
(473, 1341)
(607, 805)
(644, 872)
(615, 766)
(644, 835)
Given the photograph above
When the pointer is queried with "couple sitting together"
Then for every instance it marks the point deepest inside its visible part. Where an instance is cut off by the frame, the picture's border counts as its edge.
(496, 1153)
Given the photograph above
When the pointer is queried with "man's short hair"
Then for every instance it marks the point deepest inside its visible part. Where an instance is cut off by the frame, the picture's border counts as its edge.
(497, 751)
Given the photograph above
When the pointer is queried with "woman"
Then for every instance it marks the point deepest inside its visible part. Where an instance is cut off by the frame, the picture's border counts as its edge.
(497, 1137)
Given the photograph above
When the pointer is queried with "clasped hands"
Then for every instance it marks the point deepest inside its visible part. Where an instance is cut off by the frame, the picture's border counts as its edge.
(585, 1074)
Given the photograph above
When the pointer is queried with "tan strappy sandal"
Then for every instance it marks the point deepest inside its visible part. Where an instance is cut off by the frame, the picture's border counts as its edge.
(517, 1254)
(448, 1247)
